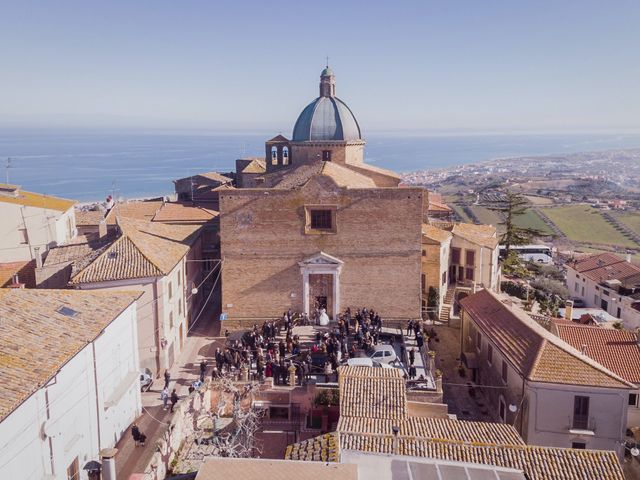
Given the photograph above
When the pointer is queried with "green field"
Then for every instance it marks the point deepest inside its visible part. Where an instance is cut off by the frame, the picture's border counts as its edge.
(530, 219)
(630, 220)
(463, 216)
(486, 216)
(582, 223)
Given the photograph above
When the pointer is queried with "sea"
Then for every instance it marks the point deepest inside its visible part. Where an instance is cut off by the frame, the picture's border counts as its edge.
(87, 166)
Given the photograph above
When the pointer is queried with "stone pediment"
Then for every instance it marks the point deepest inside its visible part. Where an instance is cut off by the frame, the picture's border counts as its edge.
(321, 258)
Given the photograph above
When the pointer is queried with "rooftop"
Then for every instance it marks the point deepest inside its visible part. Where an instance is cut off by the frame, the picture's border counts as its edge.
(88, 217)
(184, 212)
(607, 266)
(25, 271)
(435, 233)
(374, 393)
(261, 469)
(36, 339)
(13, 194)
(534, 352)
(539, 463)
(255, 165)
(206, 178)
(297, 177)
(135, 209)
(144, 249)
(617, 350)
(483, 235)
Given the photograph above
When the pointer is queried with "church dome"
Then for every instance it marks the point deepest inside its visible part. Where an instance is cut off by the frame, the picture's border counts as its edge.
(327, 118)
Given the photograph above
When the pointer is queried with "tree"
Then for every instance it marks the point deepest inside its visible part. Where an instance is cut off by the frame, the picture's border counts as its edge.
(512, 205)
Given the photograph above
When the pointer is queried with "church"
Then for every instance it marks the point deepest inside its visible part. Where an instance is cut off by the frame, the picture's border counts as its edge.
(313, 226)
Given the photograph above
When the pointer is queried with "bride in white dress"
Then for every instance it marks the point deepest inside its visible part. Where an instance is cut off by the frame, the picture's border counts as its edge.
(323, 319)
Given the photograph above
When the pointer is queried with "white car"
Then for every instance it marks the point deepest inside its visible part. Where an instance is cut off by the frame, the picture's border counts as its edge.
(366, 362)
(383, 354)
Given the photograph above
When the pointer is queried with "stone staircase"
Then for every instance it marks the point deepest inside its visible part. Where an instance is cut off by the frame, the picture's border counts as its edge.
(447, 304)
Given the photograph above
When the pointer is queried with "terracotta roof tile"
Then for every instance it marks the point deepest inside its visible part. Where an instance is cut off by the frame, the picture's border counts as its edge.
(485, 235)
(184, 212)
(206, 178)
(607, 266)
(145, 249)
(262, 469)
(298, 176)
(435, 233)
(534, 352)
(13, 194)
(256, 165)
(25, 271)
(135, 209)
(372, 393)
(435, 428)
(439, 207)
(539, 463)
(88, 217)
(36, 340)
(617, 350)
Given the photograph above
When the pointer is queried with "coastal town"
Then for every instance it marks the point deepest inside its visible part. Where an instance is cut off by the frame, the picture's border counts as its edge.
(309, 314)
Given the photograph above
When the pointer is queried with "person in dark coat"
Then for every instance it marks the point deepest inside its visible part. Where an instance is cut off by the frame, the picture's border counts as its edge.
(203, 370)
(135, 433)
(412, 355)
(167, 378)
(409, 327)
(412, 371)
(174, 399)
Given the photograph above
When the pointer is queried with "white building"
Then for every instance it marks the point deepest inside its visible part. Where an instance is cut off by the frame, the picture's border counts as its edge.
(617, 350)
(608, 282)
(69, 382)
(162, 261)
(32, 221)
(552, 393)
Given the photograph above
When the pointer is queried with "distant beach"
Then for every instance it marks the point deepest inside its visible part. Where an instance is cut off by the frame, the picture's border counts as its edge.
(88, 166)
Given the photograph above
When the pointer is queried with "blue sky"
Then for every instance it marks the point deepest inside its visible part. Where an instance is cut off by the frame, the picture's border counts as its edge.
(421, 66)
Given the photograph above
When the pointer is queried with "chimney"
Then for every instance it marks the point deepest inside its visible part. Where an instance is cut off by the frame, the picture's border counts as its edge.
(36, 251)
(107, 455)
(395, 430)
(102, 228)
(583, 350)
(568, 310)
(628, 258)
(15, 282)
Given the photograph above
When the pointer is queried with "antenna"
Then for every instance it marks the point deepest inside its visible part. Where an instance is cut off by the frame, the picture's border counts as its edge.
(7, 168)
(327, 60)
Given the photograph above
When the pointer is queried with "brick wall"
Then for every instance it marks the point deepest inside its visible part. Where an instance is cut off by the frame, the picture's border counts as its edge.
(378, 238)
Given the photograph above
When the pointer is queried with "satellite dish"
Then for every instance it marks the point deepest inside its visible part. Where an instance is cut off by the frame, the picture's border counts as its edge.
(635, 451)
(513, 408)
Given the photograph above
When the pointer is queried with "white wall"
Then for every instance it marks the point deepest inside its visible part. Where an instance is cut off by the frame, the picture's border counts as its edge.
(550, 414)
(73, 410)
(156, 308)
(591, 293)
(486, 266)
(45, 228)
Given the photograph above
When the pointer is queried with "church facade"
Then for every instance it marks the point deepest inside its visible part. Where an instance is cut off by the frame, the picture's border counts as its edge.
(317, 227)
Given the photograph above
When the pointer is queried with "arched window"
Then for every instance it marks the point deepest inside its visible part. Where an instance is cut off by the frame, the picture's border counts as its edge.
(285, 155)
(274, 155)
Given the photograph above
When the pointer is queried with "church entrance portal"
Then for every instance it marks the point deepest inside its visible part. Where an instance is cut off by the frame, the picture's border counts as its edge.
(321, 284)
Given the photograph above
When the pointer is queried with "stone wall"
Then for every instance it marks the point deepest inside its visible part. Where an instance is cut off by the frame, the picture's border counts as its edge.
(181, 426)
(263, 238)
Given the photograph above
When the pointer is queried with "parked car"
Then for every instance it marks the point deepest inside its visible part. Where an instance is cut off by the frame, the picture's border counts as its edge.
(578, 303)
(383, 354)
(146, 380)
(366, 362)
